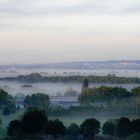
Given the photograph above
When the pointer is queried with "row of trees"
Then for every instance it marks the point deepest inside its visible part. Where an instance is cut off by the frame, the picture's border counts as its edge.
(122, 127)
(36, 77)
(35, 122)
(105, 93)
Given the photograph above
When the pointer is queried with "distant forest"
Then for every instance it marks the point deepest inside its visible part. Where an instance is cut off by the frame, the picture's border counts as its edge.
(36, 77)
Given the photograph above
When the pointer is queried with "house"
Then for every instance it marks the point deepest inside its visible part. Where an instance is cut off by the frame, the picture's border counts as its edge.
(19, 102)
(63, 101)
(99, 104)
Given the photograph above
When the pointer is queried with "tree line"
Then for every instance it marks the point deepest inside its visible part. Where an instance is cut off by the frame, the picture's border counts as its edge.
(34, 122)
(105, 93)
(36, 77)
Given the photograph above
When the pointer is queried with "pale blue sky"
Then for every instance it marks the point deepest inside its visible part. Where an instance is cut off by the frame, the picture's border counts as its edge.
(41, 31)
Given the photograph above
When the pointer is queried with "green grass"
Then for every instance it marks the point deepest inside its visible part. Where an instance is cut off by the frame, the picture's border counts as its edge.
(2, 132)
(6, 120)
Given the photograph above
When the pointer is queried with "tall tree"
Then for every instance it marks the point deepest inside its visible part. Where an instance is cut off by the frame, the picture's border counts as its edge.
(85, 83)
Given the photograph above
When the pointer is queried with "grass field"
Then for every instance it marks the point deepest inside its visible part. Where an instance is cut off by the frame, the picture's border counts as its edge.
(6, 120)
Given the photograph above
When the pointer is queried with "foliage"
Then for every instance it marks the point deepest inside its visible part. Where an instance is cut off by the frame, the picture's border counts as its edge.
(70, 92)
(134, 137)
(55, 127)
(85, 84)
(5, 98)
(6, 111)
(13, 127)
(9, 109)
(103, 93)
(124, 127)
(39, 100)
(74, 129)
(33, 121)
(36, 77)
(136, 126)
(136, 91)
(15, 130)
(108, 128)
(90, 127)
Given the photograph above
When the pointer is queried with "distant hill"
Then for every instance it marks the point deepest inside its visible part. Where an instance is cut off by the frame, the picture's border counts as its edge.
(81, 65)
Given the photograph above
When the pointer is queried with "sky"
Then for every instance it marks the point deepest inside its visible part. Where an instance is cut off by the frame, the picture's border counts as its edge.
(43, 31)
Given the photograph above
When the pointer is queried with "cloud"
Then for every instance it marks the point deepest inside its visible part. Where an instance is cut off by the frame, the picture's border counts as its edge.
(47, 7)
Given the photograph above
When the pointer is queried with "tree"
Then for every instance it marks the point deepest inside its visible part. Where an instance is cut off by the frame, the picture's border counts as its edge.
(4, 98)
(6, 111)
(73, 129)
(33, 121)
(136, 91)
(90, 127)
(124, 127)
(85, 83)
(55, 128)
(108, 128)
(70, 92)
(15, 130)
(39, 100)
(10, 108)
(13, 127)
(136, 126)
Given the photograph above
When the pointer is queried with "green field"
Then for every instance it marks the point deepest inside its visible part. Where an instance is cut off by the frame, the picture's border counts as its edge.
(6, 120)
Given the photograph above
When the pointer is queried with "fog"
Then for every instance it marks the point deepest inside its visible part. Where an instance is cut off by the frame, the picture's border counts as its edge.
(50, 88)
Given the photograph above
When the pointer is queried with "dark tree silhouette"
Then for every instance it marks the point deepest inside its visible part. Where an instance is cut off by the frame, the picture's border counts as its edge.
(13, 127)
(85, 83)
(124, 127)
(55, 128)
(136, 126)
(73, 129)
(108, 128)
(33, 121)
(90, 127)
(15, 130)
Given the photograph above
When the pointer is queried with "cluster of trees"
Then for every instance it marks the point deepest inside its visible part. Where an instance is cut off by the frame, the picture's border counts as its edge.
(7, 103)
(39, 100)
(36, 77)
(122, 127)
(34, 122)
(105, 93)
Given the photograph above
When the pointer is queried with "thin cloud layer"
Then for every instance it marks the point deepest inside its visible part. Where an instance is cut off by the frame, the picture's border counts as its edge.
(46, 7)
(61, 30)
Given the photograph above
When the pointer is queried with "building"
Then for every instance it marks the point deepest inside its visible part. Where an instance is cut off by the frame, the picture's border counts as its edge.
(63, 101)
(19, 103)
